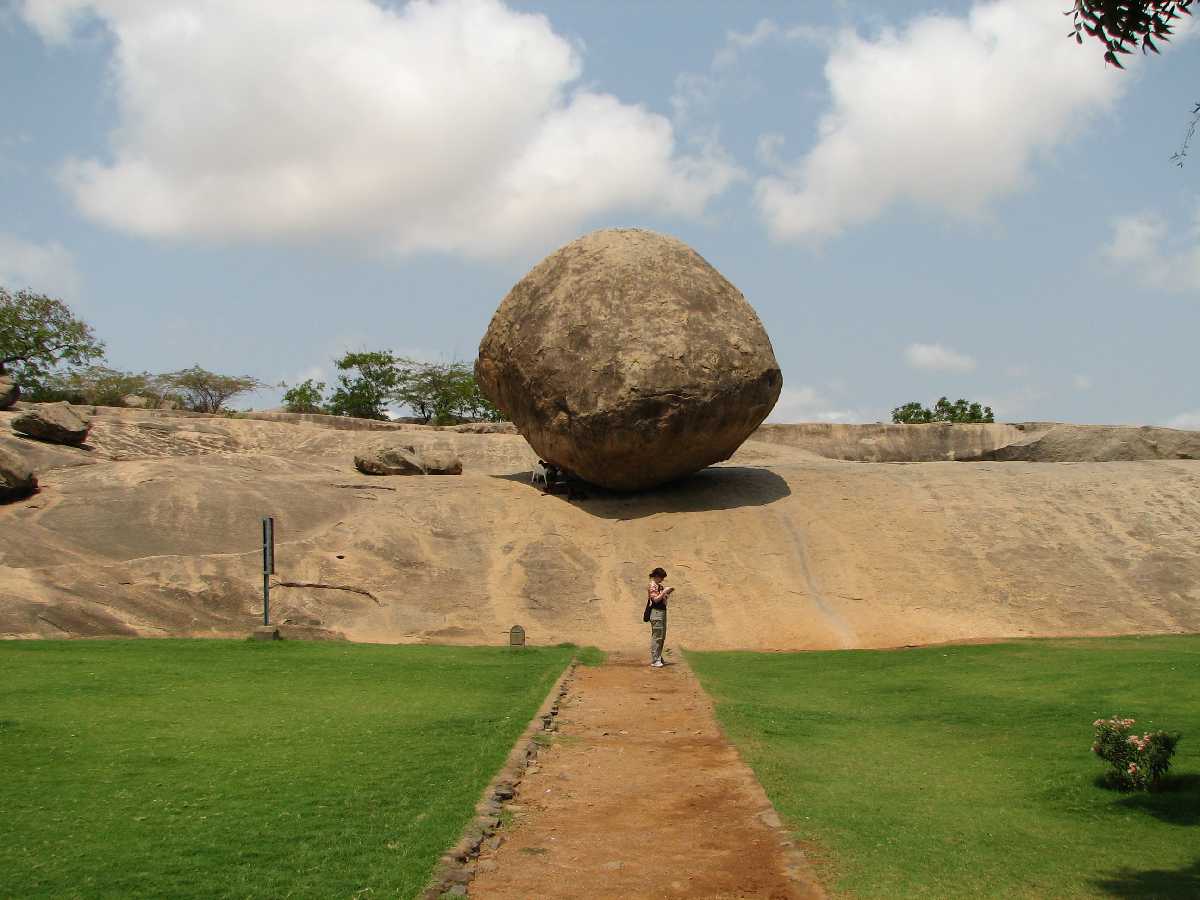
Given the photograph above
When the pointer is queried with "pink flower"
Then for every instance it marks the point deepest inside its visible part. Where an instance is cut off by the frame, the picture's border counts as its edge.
(1132, 769)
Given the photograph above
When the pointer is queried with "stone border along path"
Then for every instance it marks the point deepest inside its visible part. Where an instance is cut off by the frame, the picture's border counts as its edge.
(640, 795)
(456, 867)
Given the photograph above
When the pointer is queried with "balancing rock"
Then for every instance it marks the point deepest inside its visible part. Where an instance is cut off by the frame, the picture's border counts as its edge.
(627, 359)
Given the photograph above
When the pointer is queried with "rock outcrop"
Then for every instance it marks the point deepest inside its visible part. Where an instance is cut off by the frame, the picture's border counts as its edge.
(9, 392)
(626, 358)
(405, 460)
(1050, 442)
(16, 477)
(58, 423)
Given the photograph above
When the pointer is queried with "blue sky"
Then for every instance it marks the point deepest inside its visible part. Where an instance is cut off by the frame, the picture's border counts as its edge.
(917, 200)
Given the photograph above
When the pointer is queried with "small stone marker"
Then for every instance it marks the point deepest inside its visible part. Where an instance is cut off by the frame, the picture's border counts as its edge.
(516, 636)
(266, 633)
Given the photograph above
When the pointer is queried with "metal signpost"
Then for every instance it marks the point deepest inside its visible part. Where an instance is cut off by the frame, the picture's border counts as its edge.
(268, 524)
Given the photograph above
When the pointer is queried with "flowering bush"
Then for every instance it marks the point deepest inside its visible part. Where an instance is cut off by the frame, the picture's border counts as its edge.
(1138, 761)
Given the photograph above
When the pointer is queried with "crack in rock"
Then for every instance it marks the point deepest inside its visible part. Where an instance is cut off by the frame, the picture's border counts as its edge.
(331, 587)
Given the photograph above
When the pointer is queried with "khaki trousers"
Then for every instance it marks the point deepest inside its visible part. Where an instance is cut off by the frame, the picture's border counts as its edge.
(658, 633)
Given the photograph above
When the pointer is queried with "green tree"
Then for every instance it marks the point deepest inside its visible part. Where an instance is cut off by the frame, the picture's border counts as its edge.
(204, 391)
(305, 397)
(444, 393)
(96, 385)
(911, 414)
(368, 382)
(943, 411)
(38, 334)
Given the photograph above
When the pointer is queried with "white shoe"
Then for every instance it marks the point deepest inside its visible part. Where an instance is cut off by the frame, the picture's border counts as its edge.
(657, 664)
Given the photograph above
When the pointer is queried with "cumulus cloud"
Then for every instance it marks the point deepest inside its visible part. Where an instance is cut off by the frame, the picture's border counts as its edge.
(452, 126)
(947, 113)
(1188, 421)
(807, 404)
(45, 268)
(696, 92)
(737, 42)
(936, 358)
(1159, 256)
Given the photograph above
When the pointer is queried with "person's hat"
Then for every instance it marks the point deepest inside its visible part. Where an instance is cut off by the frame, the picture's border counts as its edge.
(660, 572)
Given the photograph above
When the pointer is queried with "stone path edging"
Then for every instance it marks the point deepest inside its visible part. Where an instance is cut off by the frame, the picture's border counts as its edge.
(455, 868)
(797, 866)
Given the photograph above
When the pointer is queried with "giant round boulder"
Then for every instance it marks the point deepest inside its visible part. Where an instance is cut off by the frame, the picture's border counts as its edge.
(627, 359)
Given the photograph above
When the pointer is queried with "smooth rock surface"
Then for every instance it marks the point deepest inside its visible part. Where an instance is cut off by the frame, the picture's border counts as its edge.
(819, 554)
(58, 423)
(16, 477)
(9, 392)
(627, 359)
(405, 460)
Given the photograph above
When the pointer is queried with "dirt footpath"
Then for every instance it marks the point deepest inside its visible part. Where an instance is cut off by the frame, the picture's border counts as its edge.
(640, 797)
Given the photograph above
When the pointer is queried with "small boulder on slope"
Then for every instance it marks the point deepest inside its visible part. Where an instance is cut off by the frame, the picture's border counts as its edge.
(406, 460)
(58, 423)
(9, 392)
(16, 477)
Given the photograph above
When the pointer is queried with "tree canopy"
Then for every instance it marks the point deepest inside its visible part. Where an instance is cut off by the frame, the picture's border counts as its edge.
(204, 391)
(304, 397)
(442, 393)
(38, 333)
(96, 385)
(943, 411)
(1124, 25)
(367, 382)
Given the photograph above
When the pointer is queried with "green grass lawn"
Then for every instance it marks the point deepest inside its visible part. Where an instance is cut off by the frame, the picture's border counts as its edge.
(965, 771)
(175, 768)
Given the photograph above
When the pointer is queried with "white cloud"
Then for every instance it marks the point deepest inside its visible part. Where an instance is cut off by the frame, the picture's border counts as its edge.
(436, 126)
(807, 404)
(1160, 257)
(1017, 370)
(947, 113)
(44, 268)
(1188, 421)
(1081, 382)
(936, 358)
(696, 92)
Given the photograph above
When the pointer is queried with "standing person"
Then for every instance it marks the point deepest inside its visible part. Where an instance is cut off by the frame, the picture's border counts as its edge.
(656, 614)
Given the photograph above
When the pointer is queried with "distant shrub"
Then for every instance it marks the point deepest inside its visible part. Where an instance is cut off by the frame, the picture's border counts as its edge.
(204, 391)
(305, 397)
(943, 411)
(1138, 761)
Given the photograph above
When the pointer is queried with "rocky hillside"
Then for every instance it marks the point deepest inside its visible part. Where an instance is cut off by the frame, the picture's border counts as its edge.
(152, 528)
